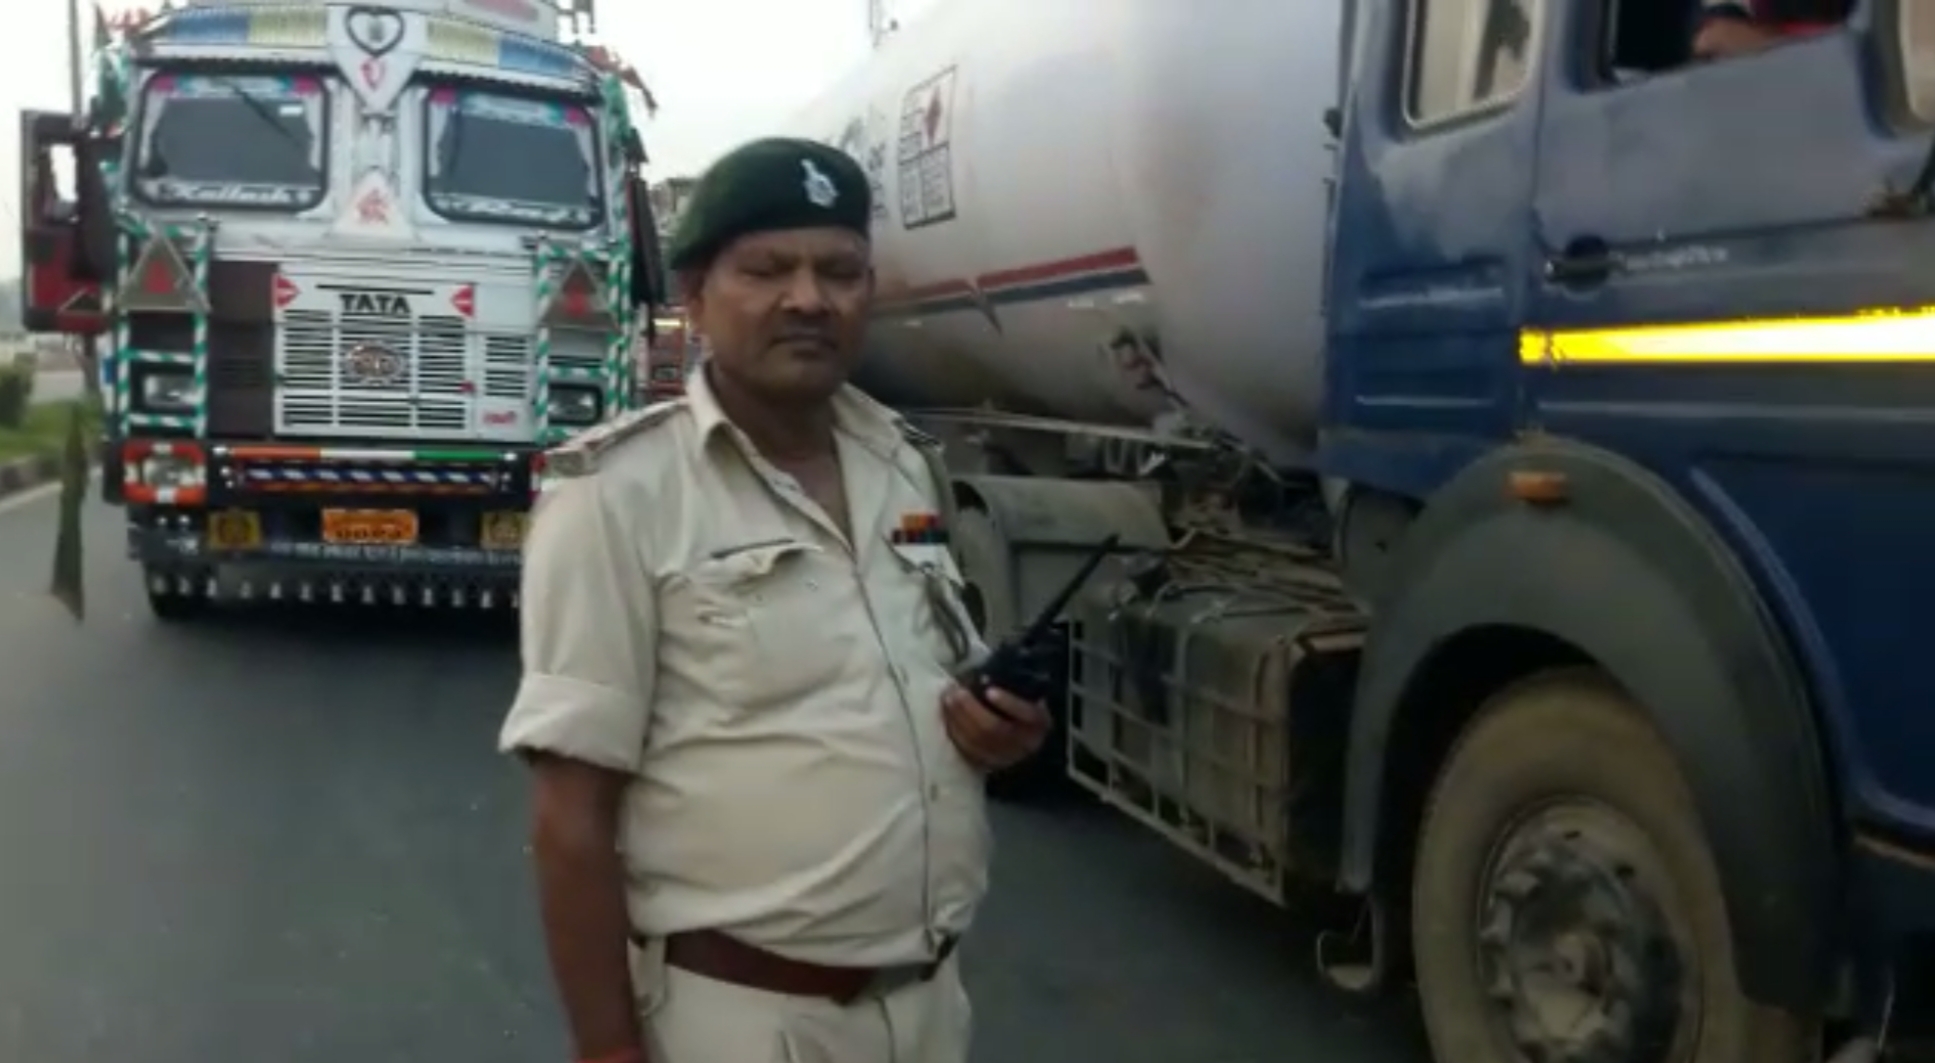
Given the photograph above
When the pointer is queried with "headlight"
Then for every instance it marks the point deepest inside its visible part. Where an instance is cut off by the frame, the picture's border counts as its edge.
(165, 390)
(575, 406)
(165, 471)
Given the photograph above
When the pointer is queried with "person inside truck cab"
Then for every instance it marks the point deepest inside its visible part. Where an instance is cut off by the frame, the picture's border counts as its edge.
(1728, 28)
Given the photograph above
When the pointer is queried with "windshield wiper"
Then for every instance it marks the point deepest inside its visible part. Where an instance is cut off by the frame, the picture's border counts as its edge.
(260, 108)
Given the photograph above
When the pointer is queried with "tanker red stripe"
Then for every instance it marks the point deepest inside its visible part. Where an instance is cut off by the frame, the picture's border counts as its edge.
(1121, 258)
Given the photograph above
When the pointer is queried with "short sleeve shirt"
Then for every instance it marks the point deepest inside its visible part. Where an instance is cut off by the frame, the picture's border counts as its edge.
(690, 618)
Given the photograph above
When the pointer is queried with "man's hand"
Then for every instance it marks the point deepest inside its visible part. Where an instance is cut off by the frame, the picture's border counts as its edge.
(984, 737)
(1723, 38)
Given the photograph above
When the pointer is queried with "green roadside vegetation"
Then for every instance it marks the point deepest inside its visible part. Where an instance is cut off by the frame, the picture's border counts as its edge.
(44, 429)
(29, 428)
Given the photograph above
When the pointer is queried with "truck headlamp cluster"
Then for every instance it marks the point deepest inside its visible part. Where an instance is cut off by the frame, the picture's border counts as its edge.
(164, 389)
(575, 406)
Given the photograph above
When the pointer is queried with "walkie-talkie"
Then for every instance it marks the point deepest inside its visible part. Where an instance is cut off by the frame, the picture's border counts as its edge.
(1019, 665)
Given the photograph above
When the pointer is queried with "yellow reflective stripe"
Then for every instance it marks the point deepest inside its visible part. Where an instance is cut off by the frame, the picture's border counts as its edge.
(1879, 336)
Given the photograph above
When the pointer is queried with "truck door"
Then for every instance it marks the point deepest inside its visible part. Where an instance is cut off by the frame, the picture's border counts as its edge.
(1429, 247)
(1739, 195)
(60, 288)
(1677, 190)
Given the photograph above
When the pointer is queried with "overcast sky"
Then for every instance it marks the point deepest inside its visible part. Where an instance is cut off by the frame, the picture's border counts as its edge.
(723, 71)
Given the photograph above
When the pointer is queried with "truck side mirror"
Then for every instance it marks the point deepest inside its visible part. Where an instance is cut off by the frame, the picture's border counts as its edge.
(61, 289)
(98, 233)
(648, 256)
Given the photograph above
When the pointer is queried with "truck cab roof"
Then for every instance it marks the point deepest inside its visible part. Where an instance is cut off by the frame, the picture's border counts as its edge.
(535, 18)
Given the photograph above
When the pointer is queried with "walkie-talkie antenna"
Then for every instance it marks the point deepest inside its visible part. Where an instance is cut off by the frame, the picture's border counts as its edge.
(1053, 610)
(1013, 666)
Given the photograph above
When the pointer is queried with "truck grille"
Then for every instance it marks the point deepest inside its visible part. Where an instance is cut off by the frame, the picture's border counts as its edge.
(433, 394)
(507, 366)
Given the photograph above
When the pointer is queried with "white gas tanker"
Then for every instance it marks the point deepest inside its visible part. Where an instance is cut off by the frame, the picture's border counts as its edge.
(1156, 269)
(1100, 210)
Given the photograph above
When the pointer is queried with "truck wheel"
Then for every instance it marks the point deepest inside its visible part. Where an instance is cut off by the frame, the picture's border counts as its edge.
(173, 608)
(1566, 908)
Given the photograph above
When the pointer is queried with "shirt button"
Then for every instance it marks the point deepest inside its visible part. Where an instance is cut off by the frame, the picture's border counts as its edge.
(933, 793)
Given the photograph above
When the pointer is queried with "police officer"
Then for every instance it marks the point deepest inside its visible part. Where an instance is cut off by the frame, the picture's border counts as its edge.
(759, 825)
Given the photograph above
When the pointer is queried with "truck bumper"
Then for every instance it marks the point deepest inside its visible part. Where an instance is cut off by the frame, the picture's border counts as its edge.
(182, 561)
(364, 526)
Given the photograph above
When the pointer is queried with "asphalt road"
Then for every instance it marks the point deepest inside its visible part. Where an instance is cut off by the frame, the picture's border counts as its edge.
(288, 838)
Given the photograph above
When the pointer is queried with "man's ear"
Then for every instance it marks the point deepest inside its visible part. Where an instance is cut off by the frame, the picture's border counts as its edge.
(692, 293)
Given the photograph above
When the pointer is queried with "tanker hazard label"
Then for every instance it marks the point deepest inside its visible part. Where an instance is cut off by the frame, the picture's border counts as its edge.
(927, 152)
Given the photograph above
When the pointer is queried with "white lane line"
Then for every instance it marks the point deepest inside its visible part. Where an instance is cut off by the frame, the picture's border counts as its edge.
(28, 497)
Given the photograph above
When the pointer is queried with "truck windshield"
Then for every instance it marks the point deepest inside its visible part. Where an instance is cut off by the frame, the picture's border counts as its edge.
(511, 159)
(232, 141)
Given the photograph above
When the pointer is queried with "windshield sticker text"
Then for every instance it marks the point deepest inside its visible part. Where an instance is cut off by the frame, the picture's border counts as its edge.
(216, 193)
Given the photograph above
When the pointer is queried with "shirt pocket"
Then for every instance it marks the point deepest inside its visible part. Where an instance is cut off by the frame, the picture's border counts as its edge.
(759, 623)
(937, 597)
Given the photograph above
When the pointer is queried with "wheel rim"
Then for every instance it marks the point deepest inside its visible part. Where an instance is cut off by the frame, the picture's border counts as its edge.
(1578, 950)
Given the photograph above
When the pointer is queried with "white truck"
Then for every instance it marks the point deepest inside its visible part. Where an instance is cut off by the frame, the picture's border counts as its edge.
(352, 267)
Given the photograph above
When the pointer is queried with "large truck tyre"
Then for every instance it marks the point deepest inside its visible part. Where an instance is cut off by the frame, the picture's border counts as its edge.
(1566, 906)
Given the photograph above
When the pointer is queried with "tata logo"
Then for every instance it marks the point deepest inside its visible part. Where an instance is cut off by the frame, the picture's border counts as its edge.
(372, 364)
(375, 304)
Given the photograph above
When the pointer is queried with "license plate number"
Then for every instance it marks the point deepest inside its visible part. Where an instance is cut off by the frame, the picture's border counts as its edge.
(234, 529)
(389, 527)
(503, 531)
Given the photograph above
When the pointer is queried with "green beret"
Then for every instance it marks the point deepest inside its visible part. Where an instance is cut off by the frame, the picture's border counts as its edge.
(766, 186)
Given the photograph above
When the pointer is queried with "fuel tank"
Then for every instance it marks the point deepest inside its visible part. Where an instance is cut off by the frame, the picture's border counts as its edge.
(1101, 210)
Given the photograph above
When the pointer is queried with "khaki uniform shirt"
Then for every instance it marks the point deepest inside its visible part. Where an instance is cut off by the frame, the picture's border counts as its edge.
(692, 618)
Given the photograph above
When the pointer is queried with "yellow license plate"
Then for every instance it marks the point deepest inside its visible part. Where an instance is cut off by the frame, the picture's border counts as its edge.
(503, 531)
(386, 527)
(234, 529)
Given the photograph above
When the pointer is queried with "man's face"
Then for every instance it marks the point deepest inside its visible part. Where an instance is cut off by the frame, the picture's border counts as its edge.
(784, 313)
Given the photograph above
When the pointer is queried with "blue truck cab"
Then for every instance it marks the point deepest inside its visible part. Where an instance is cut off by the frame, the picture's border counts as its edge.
(1643, 348)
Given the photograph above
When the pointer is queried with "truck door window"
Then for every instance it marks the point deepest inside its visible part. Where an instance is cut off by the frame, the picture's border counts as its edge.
(1646, 37)
(510, 159)
(1467, 55)
(232, 142)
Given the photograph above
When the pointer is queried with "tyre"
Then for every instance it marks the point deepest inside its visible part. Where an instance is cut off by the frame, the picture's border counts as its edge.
(172, 608)
(1566, 908)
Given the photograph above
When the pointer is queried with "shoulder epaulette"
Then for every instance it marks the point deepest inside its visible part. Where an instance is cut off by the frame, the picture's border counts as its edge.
(917, 437)
(581, 454)
(931, 453)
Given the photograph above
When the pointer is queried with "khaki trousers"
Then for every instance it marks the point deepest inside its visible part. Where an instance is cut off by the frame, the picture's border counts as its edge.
(691, 1019)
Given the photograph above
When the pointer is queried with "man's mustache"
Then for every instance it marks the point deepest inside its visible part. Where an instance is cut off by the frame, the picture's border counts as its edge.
(804, 334)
